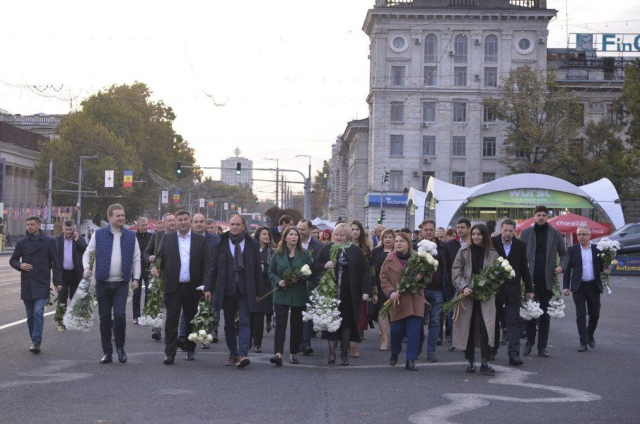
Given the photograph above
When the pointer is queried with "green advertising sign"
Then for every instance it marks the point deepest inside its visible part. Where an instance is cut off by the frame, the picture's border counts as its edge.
(529, 198)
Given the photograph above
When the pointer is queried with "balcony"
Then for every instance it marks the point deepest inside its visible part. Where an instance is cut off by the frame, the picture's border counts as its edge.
(500, 4)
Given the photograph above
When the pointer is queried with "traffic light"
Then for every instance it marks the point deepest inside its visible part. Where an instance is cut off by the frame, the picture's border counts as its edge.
(382, 214)
(385, 177)
(238, 168)
(178, 168)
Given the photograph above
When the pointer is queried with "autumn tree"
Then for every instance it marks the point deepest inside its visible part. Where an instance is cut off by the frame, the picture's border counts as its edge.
(631, 101)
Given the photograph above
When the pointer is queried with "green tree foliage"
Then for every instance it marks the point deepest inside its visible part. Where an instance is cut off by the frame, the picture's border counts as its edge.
(274, 213)
(631, 101)
(321, 191)
(126, 130)
(542, 118)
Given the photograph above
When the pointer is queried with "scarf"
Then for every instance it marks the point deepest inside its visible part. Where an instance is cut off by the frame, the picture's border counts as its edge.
(403, 258)
(238, 262)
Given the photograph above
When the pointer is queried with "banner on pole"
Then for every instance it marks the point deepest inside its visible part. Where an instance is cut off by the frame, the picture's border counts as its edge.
(108, 178)
(165, 197)
(128, 178)
(176, 196)
(201, 202)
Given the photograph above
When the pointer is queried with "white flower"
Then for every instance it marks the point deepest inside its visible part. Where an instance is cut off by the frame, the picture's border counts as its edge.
(209, 337)
(512, 274)
(305, 270)
(202, 333)
(509, 268)
(500, 259)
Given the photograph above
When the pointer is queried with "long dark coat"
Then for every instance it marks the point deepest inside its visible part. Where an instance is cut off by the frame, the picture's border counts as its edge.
(265, 305)
(43, 255)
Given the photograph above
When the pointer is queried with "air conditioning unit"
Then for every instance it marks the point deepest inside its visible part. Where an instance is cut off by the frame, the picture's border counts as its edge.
(415, 174)
(416, 40)
(451, 53)
(574, 55)
(477, 41)
(425, 124)
(426, 160)
(476, 77)
(485, 126)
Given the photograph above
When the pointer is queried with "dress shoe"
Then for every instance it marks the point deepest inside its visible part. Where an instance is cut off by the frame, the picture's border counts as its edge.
(215, 335)
(155, 335)
(543, 352)
(294, 359)
(135, 320)
(592, 343)
(344, 357)
(232, 361)
(393, 360)
(191, 356)
(122, 356)
(582, 348)
(485, 368)
(168, 360)
(308, 350)
(431, 357)
(205, 346)
(514, 359)
(471, 368)
(257, 349)
(410, 365)
(35, 348)
(106, 359)
(243, 361)
(276, 360)
(527, 349)
(492, 356)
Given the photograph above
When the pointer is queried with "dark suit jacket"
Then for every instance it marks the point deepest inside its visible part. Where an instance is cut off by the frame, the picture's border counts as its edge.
(511, 290)
(573, 272)
(276, 235)
(200, 261)
(154, 244)
(78, 250)
(43, 255)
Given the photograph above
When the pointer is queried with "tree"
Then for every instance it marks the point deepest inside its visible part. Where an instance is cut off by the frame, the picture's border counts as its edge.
(631, 101)
(274, 213)
(320, 196)
(541, 117)
(127, 131)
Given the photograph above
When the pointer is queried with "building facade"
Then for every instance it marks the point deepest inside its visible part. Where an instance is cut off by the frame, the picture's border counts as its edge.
(43, 124)
(229, 173)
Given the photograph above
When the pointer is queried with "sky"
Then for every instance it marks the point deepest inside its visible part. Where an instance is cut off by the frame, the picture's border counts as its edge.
(275, 79)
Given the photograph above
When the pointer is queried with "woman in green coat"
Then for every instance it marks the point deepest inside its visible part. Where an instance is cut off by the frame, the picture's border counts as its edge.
(290, 256)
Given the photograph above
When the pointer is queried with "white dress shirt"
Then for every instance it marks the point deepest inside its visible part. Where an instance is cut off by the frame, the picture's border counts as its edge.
(184, 243)
(587, 264)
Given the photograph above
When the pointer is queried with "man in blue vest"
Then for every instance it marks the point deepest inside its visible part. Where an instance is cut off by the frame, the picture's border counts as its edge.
(117, 259)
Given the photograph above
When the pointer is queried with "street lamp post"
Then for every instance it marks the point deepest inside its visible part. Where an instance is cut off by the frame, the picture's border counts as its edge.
(80, 190)
(307, 190)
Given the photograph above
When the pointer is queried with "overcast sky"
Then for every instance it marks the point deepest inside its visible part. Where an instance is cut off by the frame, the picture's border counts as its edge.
(274, 78)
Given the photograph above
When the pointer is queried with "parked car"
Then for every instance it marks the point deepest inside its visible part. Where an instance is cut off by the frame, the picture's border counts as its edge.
(628, 236)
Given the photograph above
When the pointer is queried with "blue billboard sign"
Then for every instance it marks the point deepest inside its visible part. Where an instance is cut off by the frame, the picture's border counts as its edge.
(373, 200)
(627, 265)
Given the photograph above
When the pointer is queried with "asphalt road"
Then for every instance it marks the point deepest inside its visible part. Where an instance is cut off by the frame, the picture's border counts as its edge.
(65, 383)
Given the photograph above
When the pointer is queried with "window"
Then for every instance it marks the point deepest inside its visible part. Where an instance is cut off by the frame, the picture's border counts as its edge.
(428, 145)
(458, 178)
(614, 114)
(397, 75)
(425, 178)
(459, 146)
(431, 48)
(489, 147)
(429, 112)
(460, 49)
(524, 44)
(487, 115)
(581, 114)
(397, 142)
(397, 112)
(491, 49)
(487, 177)
(577, 74)
(460, 76)
(459, 112)
(430, 76)
(395, 180)
(399, 42)
(490, 77)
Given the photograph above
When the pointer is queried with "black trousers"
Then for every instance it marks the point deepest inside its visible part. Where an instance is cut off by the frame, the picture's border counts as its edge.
(185, 298)
(543, 296)
(69, 285)
(295, 338)
(477, 319)
(257, 327)
(587, 298)
(511, 313)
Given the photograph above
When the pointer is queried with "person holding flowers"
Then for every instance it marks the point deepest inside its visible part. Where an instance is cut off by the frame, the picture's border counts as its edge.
(582, 278)
(407, 312)
(265, 305)
(289, 270)
(359, 238)
(352, 282)
(379, 255)
(475, 316)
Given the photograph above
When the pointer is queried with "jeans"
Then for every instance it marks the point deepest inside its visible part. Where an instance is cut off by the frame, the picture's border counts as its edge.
(435, 298)
(307, 331)
(231, 304)
(409, 326)
(35, 318)
(112, 297)
(137, 295)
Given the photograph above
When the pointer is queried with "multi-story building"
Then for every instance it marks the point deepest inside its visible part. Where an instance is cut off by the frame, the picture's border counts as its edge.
(43, 124)
(229, 174)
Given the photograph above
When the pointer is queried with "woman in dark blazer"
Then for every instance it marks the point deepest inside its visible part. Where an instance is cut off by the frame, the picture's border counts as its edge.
(289, 256)
(265, 305)
(353, 278)
(379, 254)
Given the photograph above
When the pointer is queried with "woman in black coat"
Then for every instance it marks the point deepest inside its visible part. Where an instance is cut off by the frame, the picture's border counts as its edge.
(379, 254)
(353, 278)
(265, 305)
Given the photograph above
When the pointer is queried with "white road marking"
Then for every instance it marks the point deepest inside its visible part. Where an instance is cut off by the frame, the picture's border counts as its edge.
(464, 402)
(13, 282)
(2, 327)
(48, 374)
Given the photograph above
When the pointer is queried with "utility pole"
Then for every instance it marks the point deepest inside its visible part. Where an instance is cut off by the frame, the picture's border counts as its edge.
(79, 223)
(49, 200)
(277, 177)
(307, 191)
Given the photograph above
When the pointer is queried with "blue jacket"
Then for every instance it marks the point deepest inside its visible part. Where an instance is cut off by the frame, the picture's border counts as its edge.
(43, 255)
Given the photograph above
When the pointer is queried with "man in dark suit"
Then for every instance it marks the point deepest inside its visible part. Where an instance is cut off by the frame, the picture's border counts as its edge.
(582, 277)
(313, 245)
(509, 296)
(144, 237)
(186, 263)
(149, 255)
(544, 245)
(276, 232)
(35, 256)
(71, 247)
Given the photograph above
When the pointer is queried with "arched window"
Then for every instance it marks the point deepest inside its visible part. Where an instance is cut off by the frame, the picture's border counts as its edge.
(431, 48)
(460, 48)
(491, 48)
